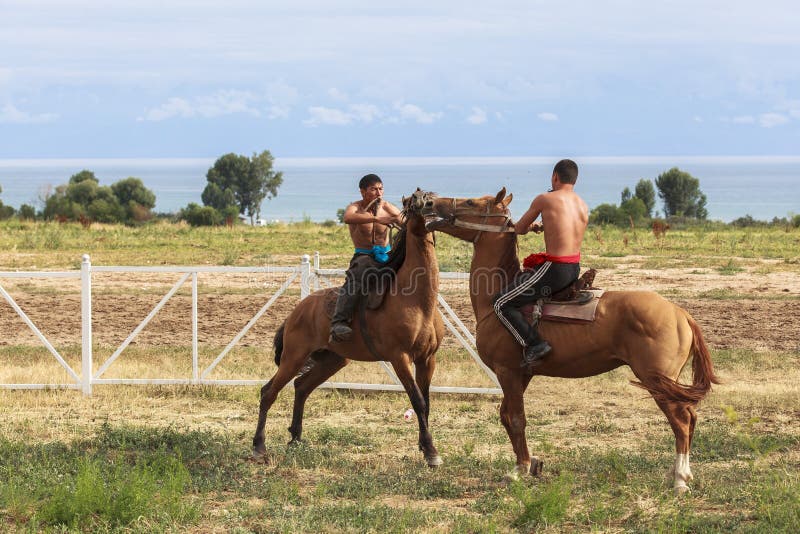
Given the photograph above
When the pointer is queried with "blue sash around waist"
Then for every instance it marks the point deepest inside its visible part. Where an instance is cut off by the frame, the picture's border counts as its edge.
(379, 253)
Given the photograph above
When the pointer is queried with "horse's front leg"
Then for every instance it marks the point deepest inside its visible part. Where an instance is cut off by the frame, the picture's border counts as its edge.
(424, 368)
(512, 415)
(402, 367)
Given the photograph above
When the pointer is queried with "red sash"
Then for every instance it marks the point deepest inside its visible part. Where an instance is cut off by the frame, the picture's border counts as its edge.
(534, 260)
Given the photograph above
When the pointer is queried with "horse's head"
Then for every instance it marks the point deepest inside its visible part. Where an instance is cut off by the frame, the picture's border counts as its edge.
(468, 218)
(413, 207)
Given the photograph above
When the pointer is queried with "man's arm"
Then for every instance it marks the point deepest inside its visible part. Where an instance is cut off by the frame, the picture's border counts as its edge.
(523, 225)
(394, 214)
(352, 216)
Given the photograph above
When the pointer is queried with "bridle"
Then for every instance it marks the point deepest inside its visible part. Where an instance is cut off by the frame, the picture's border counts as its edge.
(506, 226)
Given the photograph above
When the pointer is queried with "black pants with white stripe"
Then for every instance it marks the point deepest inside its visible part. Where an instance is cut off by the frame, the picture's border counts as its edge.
(528, 287)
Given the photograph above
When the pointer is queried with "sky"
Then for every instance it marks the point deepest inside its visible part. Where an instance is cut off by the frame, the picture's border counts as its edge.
(199, 78)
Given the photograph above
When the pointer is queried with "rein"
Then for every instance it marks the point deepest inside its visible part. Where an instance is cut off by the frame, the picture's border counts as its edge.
(503, 227)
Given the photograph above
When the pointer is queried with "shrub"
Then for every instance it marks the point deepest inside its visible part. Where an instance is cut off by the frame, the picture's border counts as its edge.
(27, 212)
(604, 214)
(197, 215)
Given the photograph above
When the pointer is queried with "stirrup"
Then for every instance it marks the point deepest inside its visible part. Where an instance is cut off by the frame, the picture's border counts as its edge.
(533, 354)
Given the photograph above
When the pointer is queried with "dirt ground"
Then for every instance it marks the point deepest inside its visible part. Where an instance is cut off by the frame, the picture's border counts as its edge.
(752, 309)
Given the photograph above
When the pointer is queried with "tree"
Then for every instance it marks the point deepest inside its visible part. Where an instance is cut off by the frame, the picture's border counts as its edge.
(5, 211)
(27, 212)
(604, 214)
(681, 194)
(124, 201)
(243, 182)
(625, 195)
(646, 192)
(82, 177)
(135, 198)
(632, 210)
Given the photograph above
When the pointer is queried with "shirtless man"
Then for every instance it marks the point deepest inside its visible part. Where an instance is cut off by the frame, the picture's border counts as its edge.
(564, 219)
(368, 220)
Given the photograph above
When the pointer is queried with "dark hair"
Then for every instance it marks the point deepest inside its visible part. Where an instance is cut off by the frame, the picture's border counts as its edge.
(567, 171)
(368, 180)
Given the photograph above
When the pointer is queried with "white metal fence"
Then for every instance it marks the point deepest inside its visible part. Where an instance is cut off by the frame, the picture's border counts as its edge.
(310, 276)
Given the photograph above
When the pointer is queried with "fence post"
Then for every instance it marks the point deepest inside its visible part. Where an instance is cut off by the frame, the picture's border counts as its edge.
(195, 371)
(316, 269)
(305, 276)
(86, 325)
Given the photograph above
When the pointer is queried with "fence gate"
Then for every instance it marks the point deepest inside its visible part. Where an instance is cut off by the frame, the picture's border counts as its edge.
(309, 278)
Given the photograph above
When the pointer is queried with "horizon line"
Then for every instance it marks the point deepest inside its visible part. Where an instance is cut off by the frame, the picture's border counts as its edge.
(401, 160)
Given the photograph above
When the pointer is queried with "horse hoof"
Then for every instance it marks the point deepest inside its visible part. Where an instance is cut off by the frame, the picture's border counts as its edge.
(434, 461)
(259, 454)
(295, 442)
(682, 490)
(536, 467)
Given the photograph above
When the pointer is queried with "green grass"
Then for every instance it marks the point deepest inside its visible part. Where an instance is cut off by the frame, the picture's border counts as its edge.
(347, 478)
(54, 245)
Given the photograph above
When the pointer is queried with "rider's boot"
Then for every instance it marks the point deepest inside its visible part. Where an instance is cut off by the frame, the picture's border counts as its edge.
(535, 348)
(345, 306)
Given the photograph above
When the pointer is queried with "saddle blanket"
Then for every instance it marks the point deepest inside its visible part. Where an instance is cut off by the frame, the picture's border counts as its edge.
(556, 311)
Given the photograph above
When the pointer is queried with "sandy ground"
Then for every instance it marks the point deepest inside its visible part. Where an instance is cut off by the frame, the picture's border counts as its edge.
(756, 312)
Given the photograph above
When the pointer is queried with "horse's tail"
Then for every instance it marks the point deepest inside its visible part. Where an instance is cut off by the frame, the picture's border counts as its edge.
(277, 342)
(666, 389)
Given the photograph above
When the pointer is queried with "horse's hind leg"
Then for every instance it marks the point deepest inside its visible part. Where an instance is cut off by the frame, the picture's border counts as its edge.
(402, 367)
(322, 365)
(682, 419)
(291, 362)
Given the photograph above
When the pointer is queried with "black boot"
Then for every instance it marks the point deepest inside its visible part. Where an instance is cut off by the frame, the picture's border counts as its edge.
(345, 306)
(535, 349)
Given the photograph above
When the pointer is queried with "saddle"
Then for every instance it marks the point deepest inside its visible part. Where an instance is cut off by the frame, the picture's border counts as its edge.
(371, 301)
(578, 291)
(575, 303)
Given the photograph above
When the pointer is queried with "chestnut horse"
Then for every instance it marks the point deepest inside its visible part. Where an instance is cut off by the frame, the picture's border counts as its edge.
(636, 328)
(405, 330)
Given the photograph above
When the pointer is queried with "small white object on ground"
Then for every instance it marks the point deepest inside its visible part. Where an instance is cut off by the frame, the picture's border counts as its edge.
(409, 414)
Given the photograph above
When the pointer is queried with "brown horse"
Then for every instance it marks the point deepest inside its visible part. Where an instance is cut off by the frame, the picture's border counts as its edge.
(636, 328)
(406, 329)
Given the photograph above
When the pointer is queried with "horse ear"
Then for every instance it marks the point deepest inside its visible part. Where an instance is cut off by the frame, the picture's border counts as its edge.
(500, 196)
(508, 199)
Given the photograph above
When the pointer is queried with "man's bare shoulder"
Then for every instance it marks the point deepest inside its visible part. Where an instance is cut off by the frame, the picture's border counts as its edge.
(391, 208)
(354, 206)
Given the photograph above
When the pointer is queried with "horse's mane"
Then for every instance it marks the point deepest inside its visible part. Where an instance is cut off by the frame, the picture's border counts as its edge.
(398, 253)
(509, 262)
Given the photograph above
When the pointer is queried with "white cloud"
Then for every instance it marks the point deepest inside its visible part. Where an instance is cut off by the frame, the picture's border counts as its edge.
(547, 116)
(697, 119)
(366, 112)
(322, 115)
(770, 120)
(478, 116)
(281, 98)
(10, 114)
(226, 102)
(363, 113)
(743, 119)
(411, 112)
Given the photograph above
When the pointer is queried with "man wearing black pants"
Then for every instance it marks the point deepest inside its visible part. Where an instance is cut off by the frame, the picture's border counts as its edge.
(564, 219)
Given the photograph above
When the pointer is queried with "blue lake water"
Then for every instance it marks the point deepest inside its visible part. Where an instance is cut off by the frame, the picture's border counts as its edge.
(764, 187)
